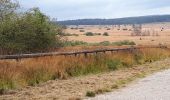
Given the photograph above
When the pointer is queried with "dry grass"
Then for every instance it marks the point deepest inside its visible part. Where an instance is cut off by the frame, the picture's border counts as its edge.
(120, 35)
(34, 71)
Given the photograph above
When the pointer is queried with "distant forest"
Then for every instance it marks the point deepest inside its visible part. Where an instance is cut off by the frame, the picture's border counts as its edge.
(128, 20)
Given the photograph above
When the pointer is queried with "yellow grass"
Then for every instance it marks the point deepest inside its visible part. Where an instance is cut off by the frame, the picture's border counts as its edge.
(119, 35)
(33, 71)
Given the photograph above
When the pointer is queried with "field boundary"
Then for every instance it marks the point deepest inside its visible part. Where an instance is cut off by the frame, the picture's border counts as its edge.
(75, 53)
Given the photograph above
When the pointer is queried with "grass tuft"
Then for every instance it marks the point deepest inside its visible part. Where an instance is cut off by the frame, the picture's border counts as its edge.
(101, 91)
(90, 94)
(115, 86)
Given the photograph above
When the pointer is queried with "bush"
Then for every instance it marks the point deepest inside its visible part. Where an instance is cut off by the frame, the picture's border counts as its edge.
(89, 34)
(92, 34)
(29, 32)
(105, 34)
(90, 94)
(74, 28)
(82, 30)
(125, 29)
(125, 42)
(6, 84)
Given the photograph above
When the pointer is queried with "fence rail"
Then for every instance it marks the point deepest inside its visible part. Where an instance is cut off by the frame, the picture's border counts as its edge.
(85, 52)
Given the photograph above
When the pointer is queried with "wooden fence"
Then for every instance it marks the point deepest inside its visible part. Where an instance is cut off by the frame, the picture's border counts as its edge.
(85, 52)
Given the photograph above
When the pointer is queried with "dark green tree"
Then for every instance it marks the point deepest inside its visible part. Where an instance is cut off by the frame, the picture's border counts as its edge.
(28, 32)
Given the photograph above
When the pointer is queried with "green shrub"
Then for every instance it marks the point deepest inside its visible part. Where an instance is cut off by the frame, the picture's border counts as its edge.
(105, 34)
(103, 90)
(6, 84)
(114, 64)
(125, 42)
(124, 29)
(92, 34)
(132, 43)
(90, 94)
(28, 32)
(89, 34)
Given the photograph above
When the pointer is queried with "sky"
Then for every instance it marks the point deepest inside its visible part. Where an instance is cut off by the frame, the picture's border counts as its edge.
(84, 9)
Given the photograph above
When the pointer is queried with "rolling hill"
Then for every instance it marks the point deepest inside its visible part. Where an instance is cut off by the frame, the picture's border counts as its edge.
(127, 20)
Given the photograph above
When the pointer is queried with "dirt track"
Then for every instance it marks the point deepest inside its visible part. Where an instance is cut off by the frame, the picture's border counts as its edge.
(155, 87)
(77, 87)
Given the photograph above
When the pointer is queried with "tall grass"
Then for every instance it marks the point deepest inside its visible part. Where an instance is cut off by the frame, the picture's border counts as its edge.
(103, 43)
(33, 71)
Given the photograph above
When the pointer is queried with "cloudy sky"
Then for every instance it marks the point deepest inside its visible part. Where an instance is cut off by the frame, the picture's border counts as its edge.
(79, 9)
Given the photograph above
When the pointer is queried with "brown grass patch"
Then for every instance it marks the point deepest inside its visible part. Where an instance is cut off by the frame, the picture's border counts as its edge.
(33, 71)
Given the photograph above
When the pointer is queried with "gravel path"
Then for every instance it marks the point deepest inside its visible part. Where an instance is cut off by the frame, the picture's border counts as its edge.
(155, 87)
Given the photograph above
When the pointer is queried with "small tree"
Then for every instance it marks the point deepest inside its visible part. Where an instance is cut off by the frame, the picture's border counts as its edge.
(29, 32)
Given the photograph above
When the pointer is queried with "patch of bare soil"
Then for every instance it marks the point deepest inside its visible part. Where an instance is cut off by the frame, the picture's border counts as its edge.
(76, 88)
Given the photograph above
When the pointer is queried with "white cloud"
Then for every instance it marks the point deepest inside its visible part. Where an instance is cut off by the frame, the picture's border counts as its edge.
(76, 9)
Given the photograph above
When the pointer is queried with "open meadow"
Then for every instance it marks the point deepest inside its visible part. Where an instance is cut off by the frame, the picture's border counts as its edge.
(50, 51)
(21, 73)
(159, 33)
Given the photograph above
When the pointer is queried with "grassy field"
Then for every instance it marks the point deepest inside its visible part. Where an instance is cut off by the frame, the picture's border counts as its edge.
(33, 71)
(121, 33)
(30, 72)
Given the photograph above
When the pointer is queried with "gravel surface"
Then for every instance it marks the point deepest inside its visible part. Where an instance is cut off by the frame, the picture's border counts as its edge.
(155, 87)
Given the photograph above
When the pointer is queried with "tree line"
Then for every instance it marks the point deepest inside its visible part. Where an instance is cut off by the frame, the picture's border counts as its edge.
(118, 21)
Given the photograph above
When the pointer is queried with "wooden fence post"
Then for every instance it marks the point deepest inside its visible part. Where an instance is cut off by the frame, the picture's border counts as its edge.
(85, 55)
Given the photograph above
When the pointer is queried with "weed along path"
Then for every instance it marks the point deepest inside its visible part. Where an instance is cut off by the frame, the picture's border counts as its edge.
(84, 87)
(155, 87)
